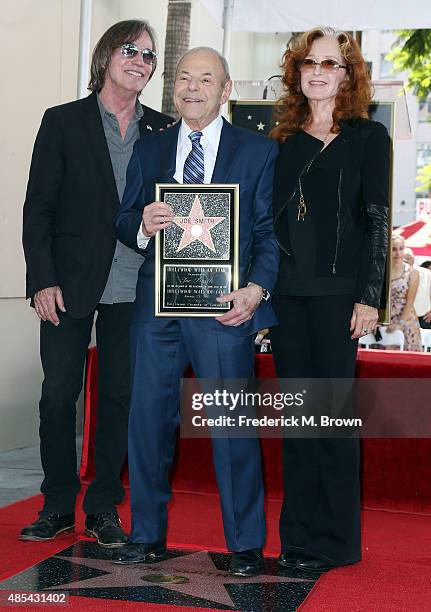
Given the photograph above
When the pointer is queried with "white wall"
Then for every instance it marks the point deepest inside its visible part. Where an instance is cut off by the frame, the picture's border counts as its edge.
(34, 76)
(37, 43)
(39, 46)
(20, 374)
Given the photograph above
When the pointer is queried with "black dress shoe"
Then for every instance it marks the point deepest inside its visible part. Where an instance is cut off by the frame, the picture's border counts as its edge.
(290, 558)
(135, 552)
(309, 563)
(105, 527)
(247, 563)
(48, 526)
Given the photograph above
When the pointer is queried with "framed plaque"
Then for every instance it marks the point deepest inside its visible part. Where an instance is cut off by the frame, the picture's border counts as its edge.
(197, 257)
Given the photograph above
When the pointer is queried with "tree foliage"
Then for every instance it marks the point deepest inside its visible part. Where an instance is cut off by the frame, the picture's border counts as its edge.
(411, 53)
(424, 179)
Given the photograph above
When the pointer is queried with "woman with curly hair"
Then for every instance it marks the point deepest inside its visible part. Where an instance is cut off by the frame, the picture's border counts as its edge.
(330, 218)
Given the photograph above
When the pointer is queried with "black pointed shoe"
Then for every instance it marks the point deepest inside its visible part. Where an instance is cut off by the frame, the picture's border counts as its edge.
(106, 528)
(247, 563)
(135, 552)
(48, 526)
(290, 558)
(308, 563)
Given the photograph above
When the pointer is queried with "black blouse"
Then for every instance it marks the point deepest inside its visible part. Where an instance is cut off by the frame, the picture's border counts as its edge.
(340, 246)
(297, 272)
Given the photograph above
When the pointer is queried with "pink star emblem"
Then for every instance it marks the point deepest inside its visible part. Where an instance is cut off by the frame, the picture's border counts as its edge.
(197, 227)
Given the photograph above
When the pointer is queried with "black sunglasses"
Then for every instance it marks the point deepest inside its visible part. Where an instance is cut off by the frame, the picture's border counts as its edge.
(131, 50)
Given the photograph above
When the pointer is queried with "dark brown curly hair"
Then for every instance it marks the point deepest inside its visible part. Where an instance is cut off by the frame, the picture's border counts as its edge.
(292, 111)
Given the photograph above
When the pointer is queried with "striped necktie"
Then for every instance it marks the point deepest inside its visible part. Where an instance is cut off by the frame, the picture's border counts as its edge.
(194, 164)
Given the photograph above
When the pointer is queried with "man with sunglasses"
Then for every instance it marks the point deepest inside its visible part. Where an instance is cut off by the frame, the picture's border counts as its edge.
(76, 268)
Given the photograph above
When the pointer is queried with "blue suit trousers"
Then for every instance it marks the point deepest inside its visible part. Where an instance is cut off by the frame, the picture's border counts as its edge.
(161, 349)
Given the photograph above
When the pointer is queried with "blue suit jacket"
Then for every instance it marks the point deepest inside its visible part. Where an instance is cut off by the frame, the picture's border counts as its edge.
(243, 157)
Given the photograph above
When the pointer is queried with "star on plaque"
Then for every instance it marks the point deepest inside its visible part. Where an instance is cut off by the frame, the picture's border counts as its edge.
(149, 127)
(197, 227)
(249, 117)
(260, 126)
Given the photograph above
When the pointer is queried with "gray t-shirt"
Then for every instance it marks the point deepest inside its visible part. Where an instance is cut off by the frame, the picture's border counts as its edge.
(123, 276)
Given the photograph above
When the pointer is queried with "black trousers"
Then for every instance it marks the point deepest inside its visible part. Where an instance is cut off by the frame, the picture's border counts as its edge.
(63, 352)
(321, 507)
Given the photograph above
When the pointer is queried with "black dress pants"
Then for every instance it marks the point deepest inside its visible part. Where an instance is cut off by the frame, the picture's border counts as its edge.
(63, 351)
(321, 507)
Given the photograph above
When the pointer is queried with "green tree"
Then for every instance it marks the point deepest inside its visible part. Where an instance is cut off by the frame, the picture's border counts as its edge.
(411, 53)
(424, 178)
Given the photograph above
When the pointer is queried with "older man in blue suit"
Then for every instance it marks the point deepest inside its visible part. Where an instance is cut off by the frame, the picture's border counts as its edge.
(202, 147)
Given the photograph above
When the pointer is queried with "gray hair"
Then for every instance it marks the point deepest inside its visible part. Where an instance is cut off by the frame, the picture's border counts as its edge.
(220, 57)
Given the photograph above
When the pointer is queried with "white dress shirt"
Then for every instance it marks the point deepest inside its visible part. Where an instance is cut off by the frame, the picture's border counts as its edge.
(209, 140)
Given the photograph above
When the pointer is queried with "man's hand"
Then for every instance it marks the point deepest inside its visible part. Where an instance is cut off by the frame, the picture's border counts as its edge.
(364, 320)
(155, 217)
(46, 302)
(245, 301)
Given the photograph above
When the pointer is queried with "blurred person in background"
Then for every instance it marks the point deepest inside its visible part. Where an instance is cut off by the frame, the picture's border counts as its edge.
(425, 320)
(404, 286)
(422, 303)
(330, 218)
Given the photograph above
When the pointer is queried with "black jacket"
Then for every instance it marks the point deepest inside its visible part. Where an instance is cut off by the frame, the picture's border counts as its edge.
(352, 232)
(71, 202)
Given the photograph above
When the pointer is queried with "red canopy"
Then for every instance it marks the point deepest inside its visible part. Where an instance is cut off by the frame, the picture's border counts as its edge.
(417, 236)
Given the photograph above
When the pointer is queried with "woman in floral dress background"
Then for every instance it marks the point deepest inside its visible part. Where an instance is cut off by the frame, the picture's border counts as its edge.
(404, 285)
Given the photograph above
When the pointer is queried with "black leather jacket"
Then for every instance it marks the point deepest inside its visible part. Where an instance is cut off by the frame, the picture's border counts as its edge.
(352, 230)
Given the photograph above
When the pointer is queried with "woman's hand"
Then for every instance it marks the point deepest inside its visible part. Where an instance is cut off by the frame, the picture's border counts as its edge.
(364, 320)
